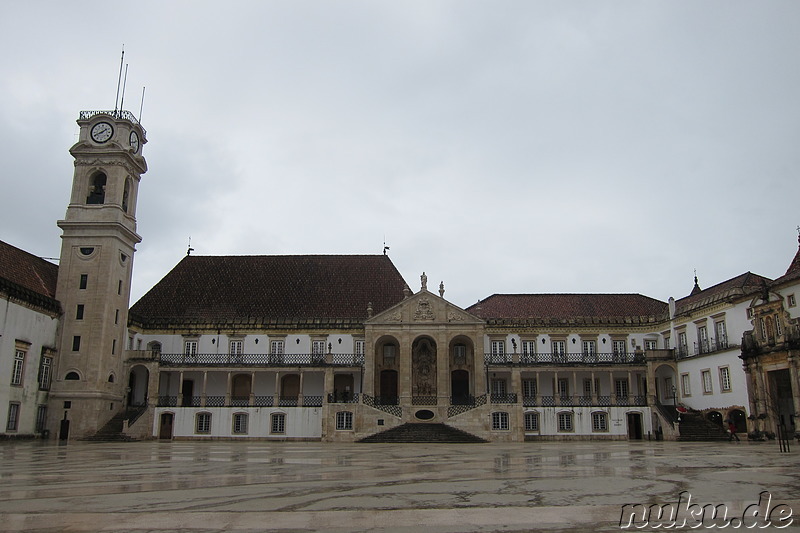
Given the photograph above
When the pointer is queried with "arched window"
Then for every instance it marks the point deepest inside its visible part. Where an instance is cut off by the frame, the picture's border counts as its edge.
(72, 376)
(111, 378)
(97, 189)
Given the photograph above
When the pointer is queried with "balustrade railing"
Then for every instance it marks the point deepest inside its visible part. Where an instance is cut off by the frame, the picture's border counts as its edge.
(240, 401)
(703, 347)
(258, 359)
(167, 401)
(565, 358)
(263, 401)
(457, 409)
(287, 401)
(503, 398)
(342, 397)
(215, 401)
(424, 400)
(380, 402)
(312, 401)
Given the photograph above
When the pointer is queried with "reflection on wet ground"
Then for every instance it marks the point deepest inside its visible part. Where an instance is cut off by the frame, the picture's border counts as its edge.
(263, 486)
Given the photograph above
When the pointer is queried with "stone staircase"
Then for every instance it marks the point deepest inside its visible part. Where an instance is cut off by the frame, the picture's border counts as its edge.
(112, 430)
(695, 427)
(429, 433)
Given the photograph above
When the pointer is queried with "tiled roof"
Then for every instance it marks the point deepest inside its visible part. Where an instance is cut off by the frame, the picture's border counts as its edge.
(28, 277)
(742, 285)
(793, 272)
(271, 290)
(577, 308)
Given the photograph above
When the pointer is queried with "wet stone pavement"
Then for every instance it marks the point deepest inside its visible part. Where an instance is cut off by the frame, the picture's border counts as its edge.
(442, 488)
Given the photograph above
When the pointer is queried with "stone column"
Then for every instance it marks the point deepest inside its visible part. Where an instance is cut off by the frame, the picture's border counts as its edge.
(180, 389)
(276, 401)
(300, 391)
(252, 400)
(205, 382)
(793, 358)
(228, 389)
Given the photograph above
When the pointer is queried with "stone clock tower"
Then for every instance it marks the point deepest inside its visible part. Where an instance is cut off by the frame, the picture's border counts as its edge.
(94, 275)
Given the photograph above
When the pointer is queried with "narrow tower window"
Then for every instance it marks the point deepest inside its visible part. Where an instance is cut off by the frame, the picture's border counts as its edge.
(97, 189)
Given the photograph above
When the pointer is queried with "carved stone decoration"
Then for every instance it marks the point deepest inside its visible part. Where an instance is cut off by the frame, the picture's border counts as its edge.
(424, 311)
(423, 368)
(452, 316)
(397, 316)
(423, 280)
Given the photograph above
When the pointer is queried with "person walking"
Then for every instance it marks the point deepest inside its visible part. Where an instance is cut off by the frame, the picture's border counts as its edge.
(732, 431)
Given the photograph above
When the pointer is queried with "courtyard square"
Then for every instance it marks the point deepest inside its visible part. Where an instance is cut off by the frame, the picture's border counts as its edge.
(308, 486)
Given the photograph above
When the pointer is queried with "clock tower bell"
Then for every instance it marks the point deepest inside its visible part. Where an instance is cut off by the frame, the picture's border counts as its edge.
(94, 275)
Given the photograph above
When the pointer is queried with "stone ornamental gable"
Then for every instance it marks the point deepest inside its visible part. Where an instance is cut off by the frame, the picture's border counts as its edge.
(424, 308)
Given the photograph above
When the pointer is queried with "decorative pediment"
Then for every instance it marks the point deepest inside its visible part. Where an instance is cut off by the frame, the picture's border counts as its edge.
(424, 307)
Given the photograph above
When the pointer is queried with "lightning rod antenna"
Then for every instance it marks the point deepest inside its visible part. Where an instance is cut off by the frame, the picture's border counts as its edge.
(141, 106)
(119, 78)
(124, 82)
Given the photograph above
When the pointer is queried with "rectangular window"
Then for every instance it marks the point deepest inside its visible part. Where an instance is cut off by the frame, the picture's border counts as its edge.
(562, 387)
(79, 312)
(618, 347)
(621, 388)
(119, 287)
(702, 338)
(589, 347)
(359, 347)
(498, 347)
(791, 300)
(344, 420)
(778, 325)
(113, 346)
(707, 387)
(203, 423)
(41, 418)
(531, 421)
(599, 422)
(528, 347)
(45, 371)
(190, 348)
(240, 423)
(559, 347)
(587, 387)
(276, 347)
(13, 417)
(725, 378)
(116, 316)
(650, 344)
(84, 281)
(236, 347)
(666, 343)
(318, 347)
(500, 421)
(278, 423)
(722, 334)
(19, 366)
(565, 421)
(529, 388)
(498, 387)
(685, 387)
(76, 343)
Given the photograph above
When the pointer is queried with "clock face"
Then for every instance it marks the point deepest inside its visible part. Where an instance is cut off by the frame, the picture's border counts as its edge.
(134, 141)
(101, 132)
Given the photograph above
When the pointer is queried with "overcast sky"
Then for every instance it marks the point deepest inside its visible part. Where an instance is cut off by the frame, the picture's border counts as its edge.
(502, 147)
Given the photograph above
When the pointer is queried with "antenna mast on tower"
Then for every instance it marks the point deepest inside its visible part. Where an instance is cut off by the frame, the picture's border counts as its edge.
(119, 79)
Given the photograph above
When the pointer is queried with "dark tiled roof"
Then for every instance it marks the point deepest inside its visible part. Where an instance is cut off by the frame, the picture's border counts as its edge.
(793, 272)
(271, 290)
(570, 308)
(28, 277)
(743, 285)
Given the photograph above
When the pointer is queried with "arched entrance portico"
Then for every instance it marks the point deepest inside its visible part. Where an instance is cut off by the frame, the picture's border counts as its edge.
(137, 386)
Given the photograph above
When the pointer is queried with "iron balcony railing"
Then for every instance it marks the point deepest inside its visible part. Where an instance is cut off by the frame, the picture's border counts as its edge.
(584, 401)
(258, 359)
(704, 347)
(565, 358)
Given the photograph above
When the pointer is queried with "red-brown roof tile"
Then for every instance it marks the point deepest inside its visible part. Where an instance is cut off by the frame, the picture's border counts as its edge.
(741, 286)
(585, 308)
(793, 272)
(298, 289)
(28, 277)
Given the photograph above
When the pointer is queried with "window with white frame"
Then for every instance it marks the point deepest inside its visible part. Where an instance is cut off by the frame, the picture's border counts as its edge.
(589, 347)
(528, 347)
(203, 423)
(686, 389)
(359, 347)
(650, 344)
(460, 354)
(276, 347)
(621, 388)
(389, 354)
(599, 421)
(725, 379)
(278, 423)
(41, 418)
(529, 388)
(317, 347)
(190, 347)
(682, 342)
(791, 300)
(562, 387)
(707, 386)
(18, 368)
(559, 347)
(702, 338)
(722, 335)
(565, 421)
(587, 386)
(666, 342)
(240, 423)
(236, 347)
(344, 420)
(500, 421)
(45, 372)
(618, 347)
(498, 347)
(531, 421)
(13, 417)
(498, 387)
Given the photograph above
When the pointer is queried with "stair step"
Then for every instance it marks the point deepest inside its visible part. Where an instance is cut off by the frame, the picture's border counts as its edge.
(428, 433)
